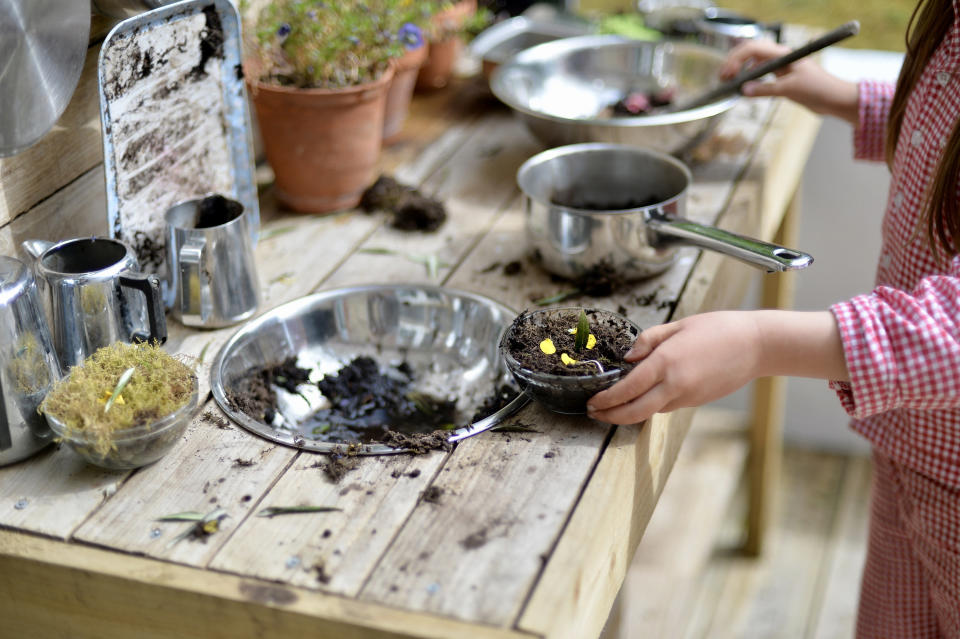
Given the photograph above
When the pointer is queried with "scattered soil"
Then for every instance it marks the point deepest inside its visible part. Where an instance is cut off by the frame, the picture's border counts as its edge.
(614, 338)
(410, 209)
(254, 394)
(215, 420)
(512, 268)
(432, 495)
(211, 42)
(418, 443)
(215, 210)
(340, 462)
(474, 540)
(368, 403)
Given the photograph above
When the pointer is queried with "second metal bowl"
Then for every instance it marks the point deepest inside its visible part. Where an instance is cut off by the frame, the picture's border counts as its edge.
(563, 89)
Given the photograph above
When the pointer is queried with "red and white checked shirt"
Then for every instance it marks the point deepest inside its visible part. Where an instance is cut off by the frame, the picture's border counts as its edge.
(902, 341)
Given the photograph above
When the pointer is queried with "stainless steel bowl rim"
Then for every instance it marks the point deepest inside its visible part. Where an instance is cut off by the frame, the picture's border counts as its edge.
(293, 308)
(551, 378)
(599, 147)
(557, 48)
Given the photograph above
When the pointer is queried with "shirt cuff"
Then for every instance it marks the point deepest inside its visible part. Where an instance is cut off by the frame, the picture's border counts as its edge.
(872, 386)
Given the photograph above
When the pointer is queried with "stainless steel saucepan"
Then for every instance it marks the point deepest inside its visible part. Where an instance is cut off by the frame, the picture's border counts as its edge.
(598, 204)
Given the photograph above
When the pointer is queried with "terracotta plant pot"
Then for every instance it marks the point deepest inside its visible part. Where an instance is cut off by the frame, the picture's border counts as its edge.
(405, 70)
(445, 47)
(323, 144)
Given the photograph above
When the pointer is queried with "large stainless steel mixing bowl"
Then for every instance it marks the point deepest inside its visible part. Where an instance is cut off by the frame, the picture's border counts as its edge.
(562, 89)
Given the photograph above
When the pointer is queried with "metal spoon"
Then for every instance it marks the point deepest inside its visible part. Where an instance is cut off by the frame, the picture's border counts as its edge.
(733, 85)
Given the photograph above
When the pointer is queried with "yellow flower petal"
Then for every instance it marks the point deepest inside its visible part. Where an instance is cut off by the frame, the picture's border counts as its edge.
(567, 360)
(106, 398)
(547, 346)
(591, 341)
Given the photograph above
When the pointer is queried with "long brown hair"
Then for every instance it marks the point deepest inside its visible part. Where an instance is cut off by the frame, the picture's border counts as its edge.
(927, 28)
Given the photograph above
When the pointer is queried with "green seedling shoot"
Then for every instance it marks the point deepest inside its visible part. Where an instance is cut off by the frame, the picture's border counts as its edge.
(121, 384)
(583, 332)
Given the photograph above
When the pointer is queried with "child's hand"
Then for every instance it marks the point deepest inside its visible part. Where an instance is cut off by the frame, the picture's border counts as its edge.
(804, 81)
(685, 363)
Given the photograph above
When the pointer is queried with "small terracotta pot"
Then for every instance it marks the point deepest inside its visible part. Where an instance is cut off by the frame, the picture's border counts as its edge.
(445, 49)
(323, 144)
(405, 70)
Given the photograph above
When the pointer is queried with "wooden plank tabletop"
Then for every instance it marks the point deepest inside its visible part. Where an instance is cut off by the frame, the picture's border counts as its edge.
(532, 533)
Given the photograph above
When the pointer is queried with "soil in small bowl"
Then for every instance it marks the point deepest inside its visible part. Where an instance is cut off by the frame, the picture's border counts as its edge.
(574, 198)
(410, 210)
(215, 210)
(95, 408)
(613, 339)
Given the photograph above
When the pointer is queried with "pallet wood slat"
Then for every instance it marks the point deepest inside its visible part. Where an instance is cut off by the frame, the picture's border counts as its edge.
(214, 466)
(473, 553)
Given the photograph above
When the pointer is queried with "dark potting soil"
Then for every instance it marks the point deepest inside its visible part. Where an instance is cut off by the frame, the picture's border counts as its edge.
(410, 209)
(643, 102)
(614, 339)
(254, 394)
(497, 399)
(574, 198)
(215, 210)
(368, 403)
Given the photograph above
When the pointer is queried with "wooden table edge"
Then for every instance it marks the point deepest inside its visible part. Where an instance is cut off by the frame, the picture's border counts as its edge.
(54, 587)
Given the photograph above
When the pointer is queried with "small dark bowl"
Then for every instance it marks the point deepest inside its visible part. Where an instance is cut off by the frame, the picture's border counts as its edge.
(567, 394)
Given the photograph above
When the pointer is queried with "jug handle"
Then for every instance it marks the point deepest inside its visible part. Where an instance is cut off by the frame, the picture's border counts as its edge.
(149, 285)
(6, 439)
(191, 258)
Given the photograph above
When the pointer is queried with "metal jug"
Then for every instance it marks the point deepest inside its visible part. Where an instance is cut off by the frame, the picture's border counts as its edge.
(28, 365)
(96, 296)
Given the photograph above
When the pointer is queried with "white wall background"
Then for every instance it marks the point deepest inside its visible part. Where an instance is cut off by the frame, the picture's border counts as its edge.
(842, 203)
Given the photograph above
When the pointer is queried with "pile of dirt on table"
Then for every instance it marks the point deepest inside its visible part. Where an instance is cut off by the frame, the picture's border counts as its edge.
(410, 210)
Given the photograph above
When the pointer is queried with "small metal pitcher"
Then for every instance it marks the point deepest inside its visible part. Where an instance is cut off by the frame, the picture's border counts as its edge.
(211, 274)
(96, 296)
(28, 365)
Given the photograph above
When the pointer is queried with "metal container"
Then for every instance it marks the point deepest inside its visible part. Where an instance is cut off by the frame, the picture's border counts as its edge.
(42, 49)
(127, 8)
(28, 365)
(563, 90)
(448, 338)
(498, 43)
(593, 205)
(567, 394)
(212, 276)
(725, 29)
(96, 296)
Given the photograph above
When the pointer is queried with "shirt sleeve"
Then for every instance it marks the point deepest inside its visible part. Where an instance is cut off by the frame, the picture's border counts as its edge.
(870, 134)
(902, 348)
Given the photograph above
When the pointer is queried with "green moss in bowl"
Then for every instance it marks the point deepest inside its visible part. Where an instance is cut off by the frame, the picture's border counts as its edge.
(123, 407)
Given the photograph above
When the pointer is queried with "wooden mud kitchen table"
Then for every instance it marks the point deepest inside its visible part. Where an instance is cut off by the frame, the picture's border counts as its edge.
(532, 533)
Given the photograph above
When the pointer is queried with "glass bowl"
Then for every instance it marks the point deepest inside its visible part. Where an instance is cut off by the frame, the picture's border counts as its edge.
(567, 394)
(133, 447)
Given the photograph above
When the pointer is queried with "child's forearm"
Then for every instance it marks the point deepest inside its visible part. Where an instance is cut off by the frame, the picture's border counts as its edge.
(800, 344)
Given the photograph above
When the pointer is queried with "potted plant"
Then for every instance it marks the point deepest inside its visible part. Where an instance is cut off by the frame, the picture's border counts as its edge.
(123, 407)
(444, 34)
(409, 19)
(318, 74)
(563, 356)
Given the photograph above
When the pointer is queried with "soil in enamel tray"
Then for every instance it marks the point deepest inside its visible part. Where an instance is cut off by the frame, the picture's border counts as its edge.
(369, 404)
(614, 339)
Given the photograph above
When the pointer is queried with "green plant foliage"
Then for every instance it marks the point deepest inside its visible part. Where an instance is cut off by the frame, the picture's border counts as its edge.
(335, 44)
(159, 385)
(583, 331)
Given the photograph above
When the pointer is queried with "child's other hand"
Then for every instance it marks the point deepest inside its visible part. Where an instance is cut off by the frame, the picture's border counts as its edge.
(685, 363)
(804, 81)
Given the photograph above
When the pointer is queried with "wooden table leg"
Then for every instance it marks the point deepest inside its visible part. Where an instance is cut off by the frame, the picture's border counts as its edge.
(769, 399)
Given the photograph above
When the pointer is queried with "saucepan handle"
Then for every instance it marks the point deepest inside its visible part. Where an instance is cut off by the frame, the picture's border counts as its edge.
(664, 230)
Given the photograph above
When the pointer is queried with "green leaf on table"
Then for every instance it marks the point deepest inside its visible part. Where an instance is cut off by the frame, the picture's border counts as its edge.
(273, 511)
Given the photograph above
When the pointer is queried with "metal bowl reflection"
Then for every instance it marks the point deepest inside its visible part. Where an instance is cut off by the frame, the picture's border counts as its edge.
(563, 90)
(448, 337)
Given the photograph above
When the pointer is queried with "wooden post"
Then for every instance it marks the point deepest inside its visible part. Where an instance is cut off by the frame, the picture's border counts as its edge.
(769, 399)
